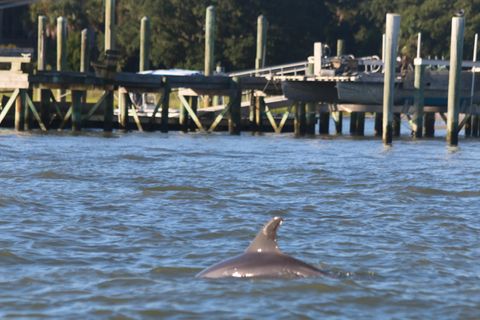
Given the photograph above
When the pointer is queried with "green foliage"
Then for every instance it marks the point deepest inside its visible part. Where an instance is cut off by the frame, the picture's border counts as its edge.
(178, 27)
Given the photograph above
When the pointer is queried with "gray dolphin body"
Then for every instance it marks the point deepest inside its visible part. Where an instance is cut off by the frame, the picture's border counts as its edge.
(262, 258)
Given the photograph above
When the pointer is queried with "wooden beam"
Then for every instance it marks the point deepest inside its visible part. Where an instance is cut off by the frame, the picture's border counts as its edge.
(35, 113)
(95, 107)
(191, 112)
(9, 105)
(136, 118)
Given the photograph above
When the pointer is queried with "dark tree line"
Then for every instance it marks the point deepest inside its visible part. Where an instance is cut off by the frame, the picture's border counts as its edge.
(294, 25)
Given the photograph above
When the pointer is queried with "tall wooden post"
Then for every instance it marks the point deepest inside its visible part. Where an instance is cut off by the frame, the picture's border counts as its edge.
(165, 109)
(41, 66)
(324, 122)
(262, 26)
(338, 115)
(340, 47)
(418, 98)
(234, 120)
(61, 44)
(353, 123)
(84, 51)
(145, 44)
(77, 110)
(194, 106)
(210, 23)
(109, 25)
(456, 57)
(311, 108)
(391, 41)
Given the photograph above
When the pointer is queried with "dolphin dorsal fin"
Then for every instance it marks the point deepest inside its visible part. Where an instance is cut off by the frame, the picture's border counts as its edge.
(266, 239)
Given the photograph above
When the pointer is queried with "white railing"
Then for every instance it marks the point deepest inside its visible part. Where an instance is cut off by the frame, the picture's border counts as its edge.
(296, 68)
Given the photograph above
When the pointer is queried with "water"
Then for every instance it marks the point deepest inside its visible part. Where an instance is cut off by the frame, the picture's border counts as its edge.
(117, 226)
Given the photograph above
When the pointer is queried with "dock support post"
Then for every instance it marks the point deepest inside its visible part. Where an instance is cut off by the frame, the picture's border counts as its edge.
(61, 50)
(41, 66)
(311, 107)
(165, 109)
(109, 25)
(397, 124)
(456, 56)
(338, 115)
(418, 114)
(194, 107)
(468, 128)
(378, 128)
(324, 123)
(183, 119)
(234, 120)
(144, 44)
(361, 124)
(391, 41)
(475, 126)
(210, 22)
(20, 106)
(429, 124)
(77, 110)
(353, 122)
(300, 120)
(123, 106)
(108, 112)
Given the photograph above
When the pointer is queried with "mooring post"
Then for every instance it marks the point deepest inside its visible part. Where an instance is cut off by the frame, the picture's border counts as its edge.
(144, 44)
(108, 112)
(234, 120)
(109, 25)
(391, 41)
(20, 106)
(165, 109)
(84, 51)
(311, 107)
(210, 23)
(262, 26)
(456, 57)
(338, 115)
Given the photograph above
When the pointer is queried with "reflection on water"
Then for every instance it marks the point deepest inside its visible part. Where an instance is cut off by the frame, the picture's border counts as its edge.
(117, 227)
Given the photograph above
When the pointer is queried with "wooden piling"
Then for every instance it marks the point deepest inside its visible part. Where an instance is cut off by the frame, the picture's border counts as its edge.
(123, 106)
(378, 126)
(456, 57)
(397, 124)
(262, 25)
(418, 104)
(468, 127)
(61, 44)
(311, 107)
(429, 120)
(324, 123)
(340, 47)
(194, 107)
(165, 109)
(338, 115)
(353, 123)
(41, 49)
(361, 124)
(300, 120)
(234, 120)
(391, 41)
(108, 112)
(210, 24)
(475, 126)
(145, 44)
(77, 110)
(183, 119)
(109, 25)
(84, 52)
(20, 111)
(259, 113)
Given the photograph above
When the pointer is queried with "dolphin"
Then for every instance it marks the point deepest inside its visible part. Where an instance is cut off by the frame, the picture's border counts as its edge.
(262, 259)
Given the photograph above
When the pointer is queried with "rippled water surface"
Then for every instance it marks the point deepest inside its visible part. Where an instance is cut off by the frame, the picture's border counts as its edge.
(117, 226)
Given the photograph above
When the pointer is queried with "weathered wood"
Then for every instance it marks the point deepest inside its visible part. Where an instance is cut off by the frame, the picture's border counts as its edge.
(9, 104)
(108, 112)
(397, 124)
(271, 119)
(192, 110)
(340, 47)
(67, 117)
(210, 25)
(391, 41)
(360, 124)
(93, 109)
(20, 111)
(123, 107)
(84, 51)
(468, 126)
(32, 108)
(259, 113)
(300, 120)
(353, 123)
(27, 117)
(418, 104)
(283, 121)
(262, 26)
(45, 106)
(145, 44)
(456, 56)
(234, 121)
(337, 117)
(183, 119)
(475, 126)
(61, 43)
(429, 124)
(110, 25)
(378, 126)
(311, 117)
(324, 122)
(165, 109)
(41, 41)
